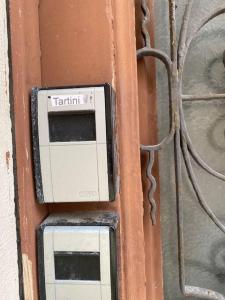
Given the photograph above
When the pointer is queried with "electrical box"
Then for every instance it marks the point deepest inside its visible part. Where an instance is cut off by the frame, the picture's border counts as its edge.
(73, 134)
(77, 257)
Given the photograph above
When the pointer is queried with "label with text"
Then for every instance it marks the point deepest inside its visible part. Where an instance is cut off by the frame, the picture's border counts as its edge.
(67, 100)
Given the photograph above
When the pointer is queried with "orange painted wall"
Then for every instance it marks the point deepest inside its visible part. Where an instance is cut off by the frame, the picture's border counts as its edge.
(77, 42)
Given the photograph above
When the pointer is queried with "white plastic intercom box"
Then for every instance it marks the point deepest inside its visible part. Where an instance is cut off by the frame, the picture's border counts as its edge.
(73, 133)
(76, 259)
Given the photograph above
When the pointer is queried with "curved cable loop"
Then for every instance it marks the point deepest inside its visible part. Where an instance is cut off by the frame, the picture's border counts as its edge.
(145, 52)
(168, 139)
(153, 186)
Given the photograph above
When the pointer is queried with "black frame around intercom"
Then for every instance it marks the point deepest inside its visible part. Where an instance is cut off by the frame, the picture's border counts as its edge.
(111, 137)
(109, 219)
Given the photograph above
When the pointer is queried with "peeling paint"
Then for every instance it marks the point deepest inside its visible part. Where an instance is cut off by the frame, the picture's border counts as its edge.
(7, 158)
(27, 278)
(110, 17)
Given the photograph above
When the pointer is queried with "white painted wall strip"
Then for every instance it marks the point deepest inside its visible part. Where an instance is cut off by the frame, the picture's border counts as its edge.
(9, 286)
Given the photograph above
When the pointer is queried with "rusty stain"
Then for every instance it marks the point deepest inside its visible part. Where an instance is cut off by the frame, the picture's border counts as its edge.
(113, 47)
(7, 158)
(6, 81)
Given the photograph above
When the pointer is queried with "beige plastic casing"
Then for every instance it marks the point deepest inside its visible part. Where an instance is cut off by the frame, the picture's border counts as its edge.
(77, 239)
(73, 171)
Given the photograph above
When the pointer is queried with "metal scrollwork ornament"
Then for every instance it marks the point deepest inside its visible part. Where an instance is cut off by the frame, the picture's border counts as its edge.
(178, 134)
